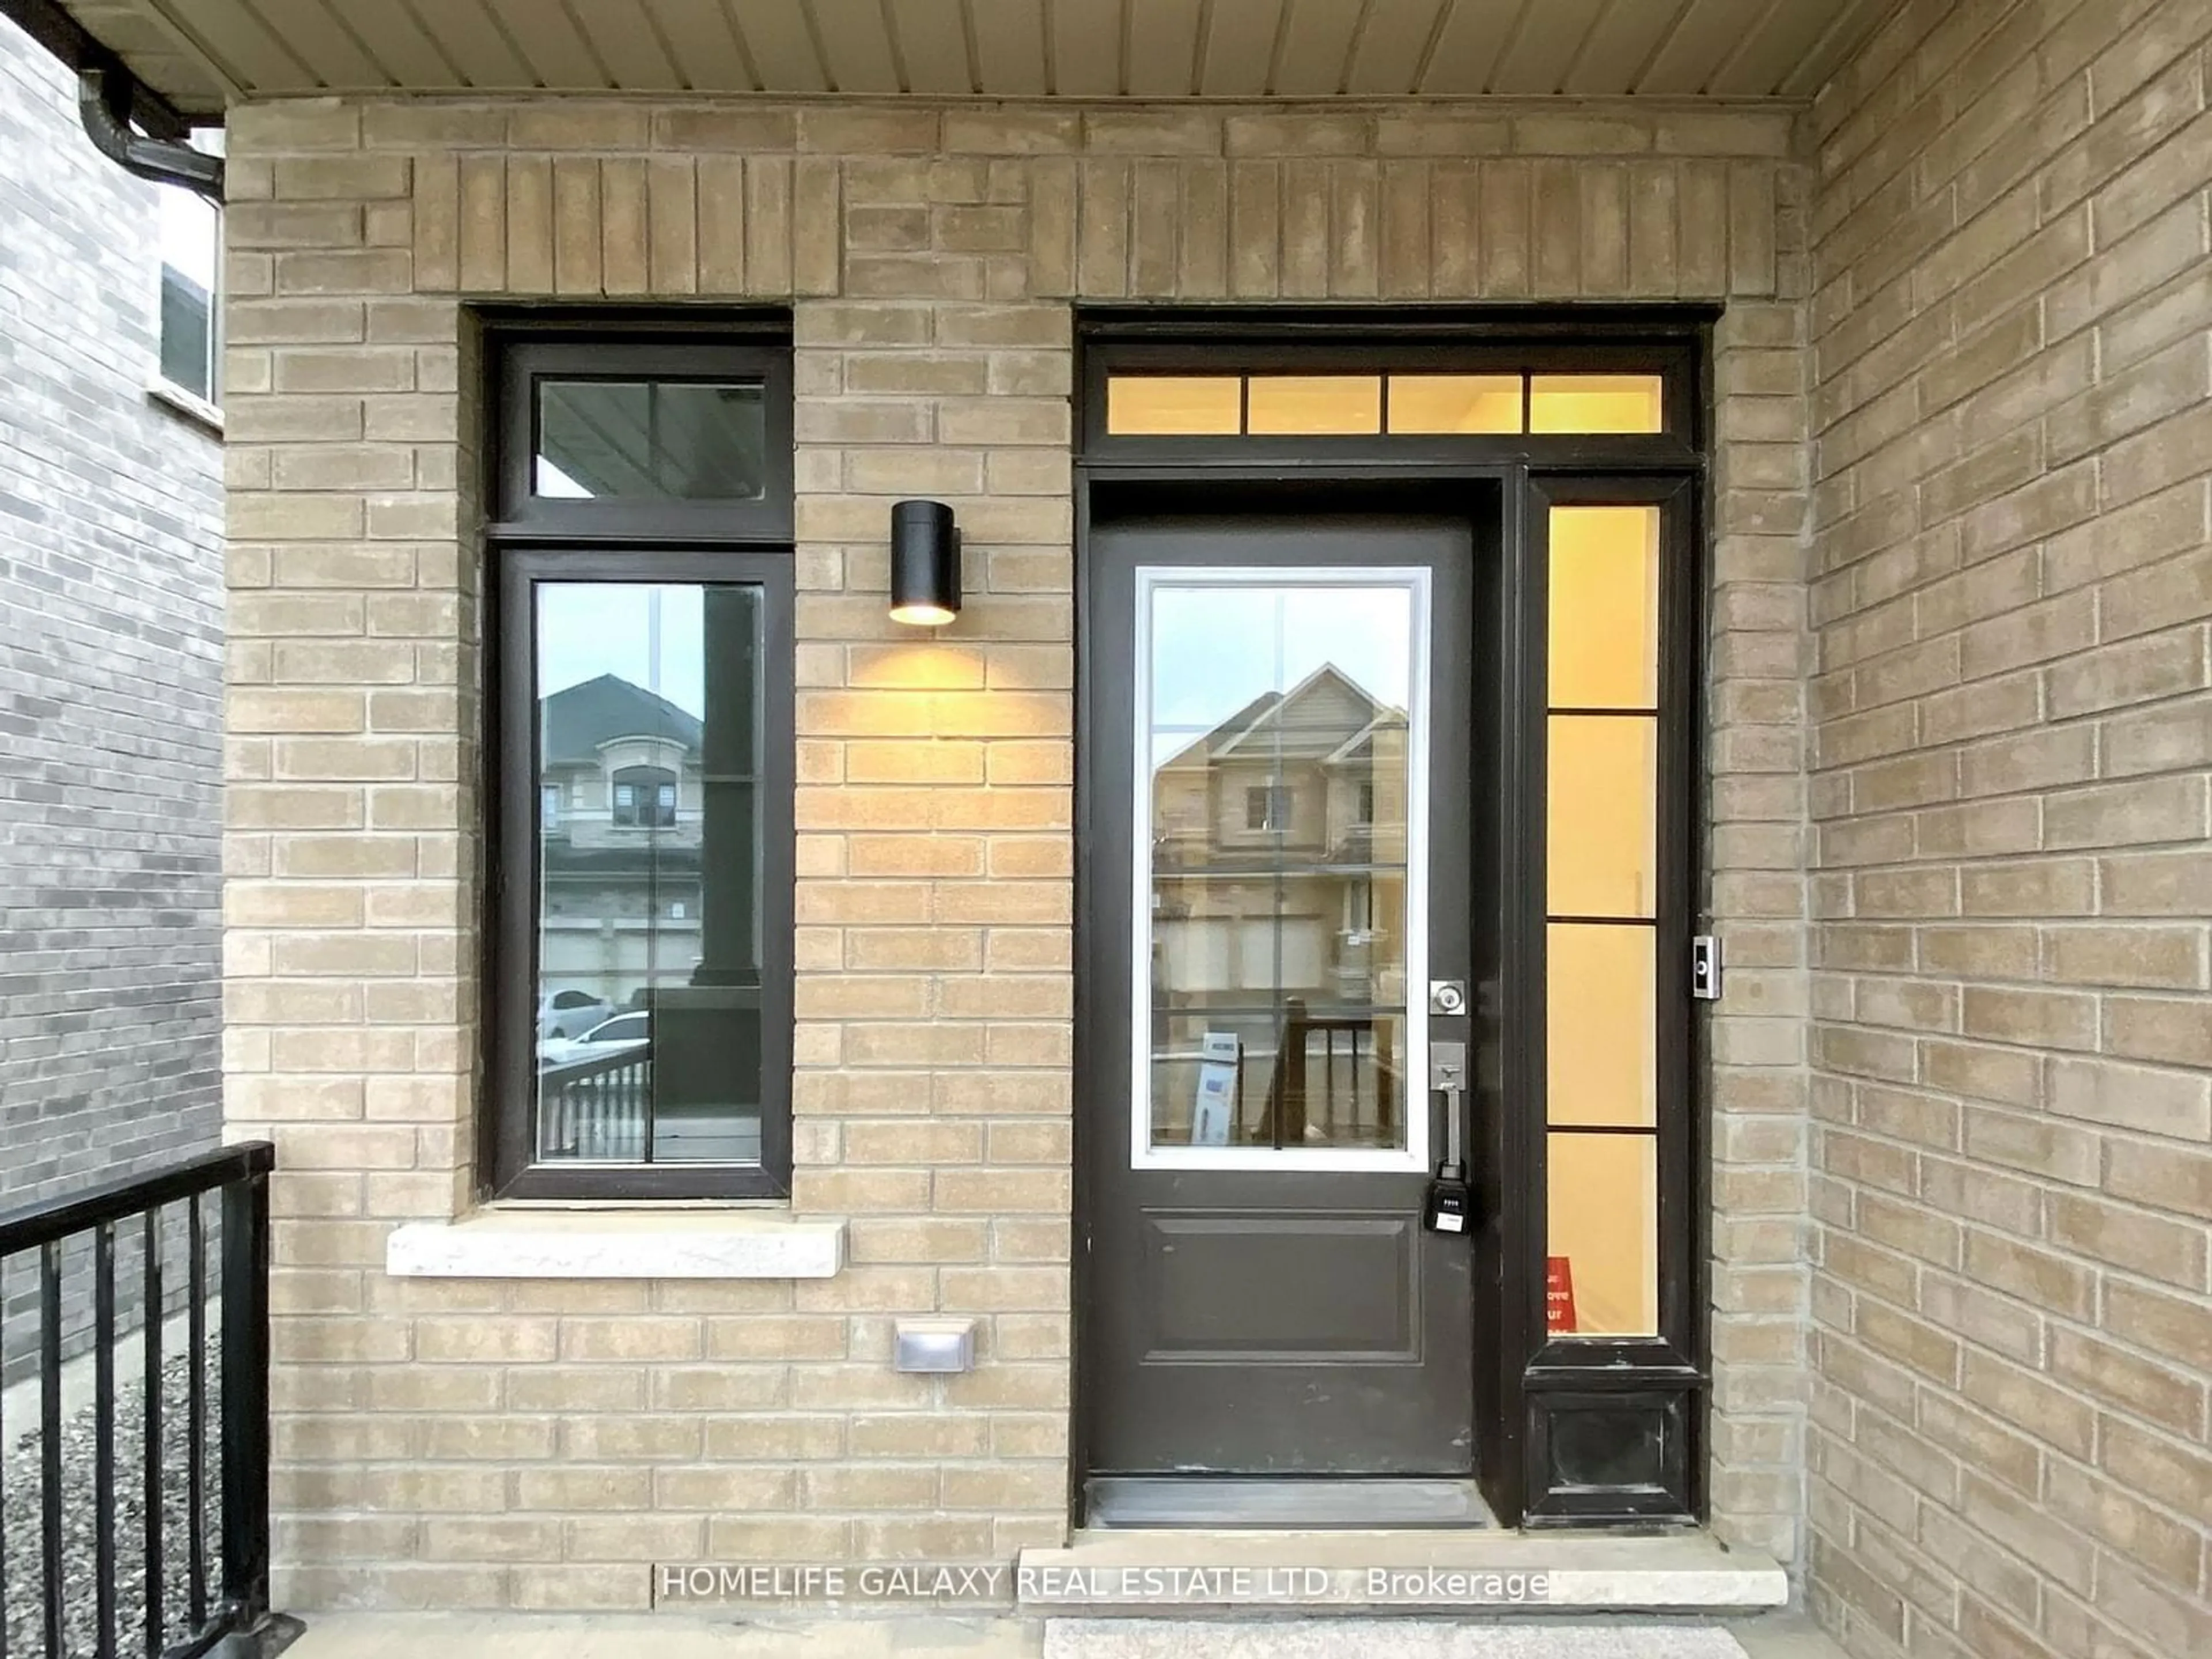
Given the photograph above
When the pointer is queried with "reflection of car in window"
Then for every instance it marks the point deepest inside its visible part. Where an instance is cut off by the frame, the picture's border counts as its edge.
(609, 1036)
(569, 1013)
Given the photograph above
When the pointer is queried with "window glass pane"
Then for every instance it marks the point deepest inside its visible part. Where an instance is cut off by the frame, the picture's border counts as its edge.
(1280, 728)
(684, 440)
(1604, 1205)
(1605, 607)
(1313, 404)
(192, 241)
(1455, 402)
(1173, 405)
(1597, 403)
(649, 937)
(1601, 1051)
(1600, 834)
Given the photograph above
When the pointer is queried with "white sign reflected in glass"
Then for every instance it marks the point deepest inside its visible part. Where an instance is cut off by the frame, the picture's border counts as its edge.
(1282, 867)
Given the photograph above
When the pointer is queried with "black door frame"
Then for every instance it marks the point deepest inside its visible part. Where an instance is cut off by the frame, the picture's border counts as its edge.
(1534, 1386)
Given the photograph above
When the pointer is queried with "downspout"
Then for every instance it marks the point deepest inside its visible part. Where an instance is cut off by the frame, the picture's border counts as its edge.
(104, 101)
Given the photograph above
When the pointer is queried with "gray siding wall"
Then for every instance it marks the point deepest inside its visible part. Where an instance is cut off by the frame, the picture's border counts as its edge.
(111, 642)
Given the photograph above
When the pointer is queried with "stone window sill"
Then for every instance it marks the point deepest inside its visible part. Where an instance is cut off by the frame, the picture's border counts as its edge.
(501, 1243)
(196, 409)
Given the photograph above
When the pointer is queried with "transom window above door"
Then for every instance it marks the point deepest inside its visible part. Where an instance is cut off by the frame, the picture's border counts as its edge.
(1436, 387)
(1420, 404)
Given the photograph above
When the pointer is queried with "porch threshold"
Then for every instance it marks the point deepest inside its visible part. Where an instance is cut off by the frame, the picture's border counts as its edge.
(1402, 1571)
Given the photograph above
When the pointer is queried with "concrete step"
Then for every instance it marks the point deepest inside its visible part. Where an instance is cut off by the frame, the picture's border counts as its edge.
(941, 1635)
(1364, 1639)
(1400, 1573)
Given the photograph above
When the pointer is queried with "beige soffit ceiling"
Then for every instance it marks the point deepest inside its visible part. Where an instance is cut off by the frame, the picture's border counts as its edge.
(203, 54)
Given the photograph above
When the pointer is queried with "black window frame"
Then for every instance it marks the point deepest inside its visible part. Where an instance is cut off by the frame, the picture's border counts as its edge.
(529, 539)
(525, 362)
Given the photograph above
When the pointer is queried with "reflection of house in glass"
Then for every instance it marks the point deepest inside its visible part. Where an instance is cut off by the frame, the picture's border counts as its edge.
(1279, 899)
(620, 789)
(649, 986)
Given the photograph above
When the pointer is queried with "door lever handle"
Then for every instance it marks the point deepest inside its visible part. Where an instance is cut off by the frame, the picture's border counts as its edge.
(1447, 1065)
(1449, 1207)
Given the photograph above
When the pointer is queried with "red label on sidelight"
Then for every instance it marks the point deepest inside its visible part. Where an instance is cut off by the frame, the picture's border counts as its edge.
(1558, 1296)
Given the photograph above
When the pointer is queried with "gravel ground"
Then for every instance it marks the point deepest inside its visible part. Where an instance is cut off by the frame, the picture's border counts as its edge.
(22, 1546)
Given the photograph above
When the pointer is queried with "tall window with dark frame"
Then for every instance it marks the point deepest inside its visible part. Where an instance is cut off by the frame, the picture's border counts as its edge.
(641, 966)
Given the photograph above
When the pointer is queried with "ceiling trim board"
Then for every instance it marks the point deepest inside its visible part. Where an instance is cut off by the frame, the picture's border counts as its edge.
(1822, 59)
(189, 42)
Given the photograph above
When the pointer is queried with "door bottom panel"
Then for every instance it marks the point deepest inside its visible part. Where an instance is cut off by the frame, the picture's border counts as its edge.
(1138, 1501)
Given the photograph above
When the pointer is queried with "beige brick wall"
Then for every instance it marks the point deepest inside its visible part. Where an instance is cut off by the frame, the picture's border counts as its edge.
(2012, 731)
(535, 1443)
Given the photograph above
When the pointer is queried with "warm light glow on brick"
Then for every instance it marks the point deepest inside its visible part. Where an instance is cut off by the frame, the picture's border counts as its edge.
(919, 666)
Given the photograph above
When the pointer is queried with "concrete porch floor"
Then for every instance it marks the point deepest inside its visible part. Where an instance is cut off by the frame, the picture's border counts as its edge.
(519, 1636)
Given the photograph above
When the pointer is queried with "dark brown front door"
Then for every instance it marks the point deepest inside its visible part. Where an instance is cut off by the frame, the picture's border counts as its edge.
(1278, 776)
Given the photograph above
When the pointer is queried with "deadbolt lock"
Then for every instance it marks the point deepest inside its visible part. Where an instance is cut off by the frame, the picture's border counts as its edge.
(1447, 996)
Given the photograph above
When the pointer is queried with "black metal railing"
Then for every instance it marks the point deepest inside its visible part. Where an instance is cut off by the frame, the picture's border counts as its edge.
(598, 1107)
(1284, 1110)
(197, 1571)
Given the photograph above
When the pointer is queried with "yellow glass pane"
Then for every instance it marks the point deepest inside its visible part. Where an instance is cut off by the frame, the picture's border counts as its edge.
(1455, 402)
(1595, 402)
(1605, 607)
(1173, 405)
(1314, 405)
(1599, 822)
(1604, 1203)
(1601, 1051)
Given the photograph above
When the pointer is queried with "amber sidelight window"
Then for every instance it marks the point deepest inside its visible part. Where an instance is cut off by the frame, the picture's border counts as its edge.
(1601, 765)
(641, 964)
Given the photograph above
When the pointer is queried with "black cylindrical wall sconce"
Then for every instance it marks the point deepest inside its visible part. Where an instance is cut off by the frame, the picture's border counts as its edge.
(925, 564)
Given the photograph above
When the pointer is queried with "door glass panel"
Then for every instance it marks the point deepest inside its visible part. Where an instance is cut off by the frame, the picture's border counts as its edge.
(1313, 404)
(1174, 405)
(648, 933)
(689, 440)
(1455, 402)
(1603, 771)
(1602, 1047)
(1597, 403)
(1604, 607)
(1281, 746)
(1603, 1192)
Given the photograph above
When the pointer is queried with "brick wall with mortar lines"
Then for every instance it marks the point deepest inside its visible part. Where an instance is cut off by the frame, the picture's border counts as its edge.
(2013, 724)
(110, 690)
(491, 1443)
